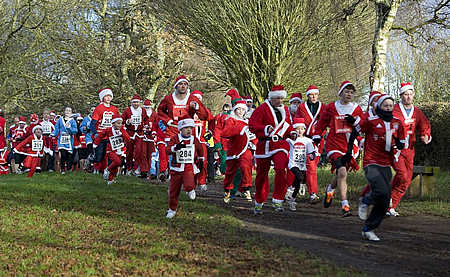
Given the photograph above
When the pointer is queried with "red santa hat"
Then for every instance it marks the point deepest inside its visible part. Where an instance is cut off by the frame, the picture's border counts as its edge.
(406, 86)
(147, 103)
(382, 98)
(344, 85)
(53, 113)
(312, 89)
(23, 120)
(248, 99)
(277, 91)
(372, 96)
(37, 127)
(103, 92)
(240, 104)
(34, 118)
(185, 121)
(115, 118)
(296, 96)
(136, 98)
(198, 94)
(299, 121)
(180, 79)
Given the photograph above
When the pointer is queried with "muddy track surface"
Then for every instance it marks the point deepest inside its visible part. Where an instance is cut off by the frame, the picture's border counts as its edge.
(414, 245)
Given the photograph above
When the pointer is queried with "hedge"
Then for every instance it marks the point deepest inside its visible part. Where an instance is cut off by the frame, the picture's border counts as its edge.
(437, 152)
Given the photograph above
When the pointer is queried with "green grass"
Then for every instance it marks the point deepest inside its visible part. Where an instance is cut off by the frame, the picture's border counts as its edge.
(438, 205)
(76, 225)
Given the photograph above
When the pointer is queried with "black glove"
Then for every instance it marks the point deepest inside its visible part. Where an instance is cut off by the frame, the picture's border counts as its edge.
(349, 119)
(208, 136)
(200, 165)
(400, 145)
(317, 141)
(180, 146)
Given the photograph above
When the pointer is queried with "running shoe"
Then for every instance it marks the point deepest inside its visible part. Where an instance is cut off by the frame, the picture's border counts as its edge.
(191, 194)
(314, 199)
(392, 213)
(346, 211)
(278, 207)
(258, 210)
(370, 235)
(226, 197)
(328, 198)
(292, 204)
(170, 214)
(247, 195)
(363, 209)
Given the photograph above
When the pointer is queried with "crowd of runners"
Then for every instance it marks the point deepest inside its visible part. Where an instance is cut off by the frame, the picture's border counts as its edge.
(183, 142)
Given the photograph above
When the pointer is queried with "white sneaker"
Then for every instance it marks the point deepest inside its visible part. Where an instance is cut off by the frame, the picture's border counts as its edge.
(370, 235)
(313, 199)
(363, 209)
(106, 174)
(237, 194)
(95, 171)
(191, 194)
(292, 204)
(247, 195)
(226, 197)
(203, 188)
(170, 214)
(128, 173)
(63, 172)
(289, 192)
(302, 190)
(392, 213)
(136, 172)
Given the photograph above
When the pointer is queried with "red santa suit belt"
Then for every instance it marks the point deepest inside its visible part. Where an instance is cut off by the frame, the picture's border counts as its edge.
(274, 138)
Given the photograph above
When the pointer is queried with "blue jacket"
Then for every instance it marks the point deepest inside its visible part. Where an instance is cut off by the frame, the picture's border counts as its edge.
(61, 130)
(87, 131)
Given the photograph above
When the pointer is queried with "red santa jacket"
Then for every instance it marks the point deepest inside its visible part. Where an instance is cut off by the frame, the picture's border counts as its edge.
(218, 130)
(151, 126)
(137, 121)
(333, 117)
(170, 150)
(201, 126)
(18, 135)
(113, 136)
(236, 130)
(379, 140)
(170, 109)
(416, 120)
(4, 162)
(32, 146)
(264, 117)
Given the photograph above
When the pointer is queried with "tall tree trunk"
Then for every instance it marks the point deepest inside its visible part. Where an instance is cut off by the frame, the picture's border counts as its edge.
(386, 11)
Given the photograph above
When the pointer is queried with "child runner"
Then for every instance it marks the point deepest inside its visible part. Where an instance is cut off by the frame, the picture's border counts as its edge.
(47, 129)
(383, 131)
(238, 155)
(33, 147)
(150, 128)
(185, 150)
(117, 137)
(302, 148)
(17, 137)
(4, 161)
(65, 128)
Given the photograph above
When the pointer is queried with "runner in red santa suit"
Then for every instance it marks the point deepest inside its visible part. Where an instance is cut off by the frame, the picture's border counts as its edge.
(271, 124)
(249, 101)
(2, 130)
(174, 106)
(295, 101)
(310, 111)
(150, 129)
(340, 116)
(414, 120)
(134, 118)
(101, 120)
(199, 132)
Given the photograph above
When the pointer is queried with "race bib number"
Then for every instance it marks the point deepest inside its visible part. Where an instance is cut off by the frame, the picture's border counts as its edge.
(300, 156)
(46, 129)
(83, 139)
(410, 125)
(341, 126)
(64, 138)
(37, 145)
(179, 111)
(136, 120)
(106, 120)
(116, 143)
(186, 155)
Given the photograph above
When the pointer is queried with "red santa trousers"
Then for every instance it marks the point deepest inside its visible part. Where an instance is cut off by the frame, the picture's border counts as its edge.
(148, 147)
(311, 175)
(201, 177)
(113, 168)
(280, 161)
(245, 164)
(177, 180)
(163, 158)
(134, 150)
(32, 163)
(403, 175)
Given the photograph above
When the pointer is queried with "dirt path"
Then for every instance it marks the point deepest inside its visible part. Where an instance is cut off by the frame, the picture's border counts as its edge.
(410, 245)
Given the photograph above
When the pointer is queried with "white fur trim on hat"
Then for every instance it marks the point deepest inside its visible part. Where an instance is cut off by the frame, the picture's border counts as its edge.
(312, 91)
(37, 127)
(105, 92)
(240, 105)
(116, 119)
(405, 88)
(344, 86)
(382, 98)
(295, 98)
(179, 81)
(299, 124)
(277, 93)
(188, 122)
